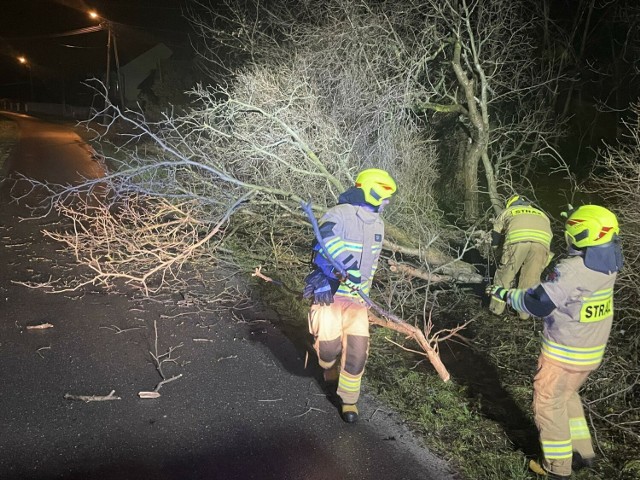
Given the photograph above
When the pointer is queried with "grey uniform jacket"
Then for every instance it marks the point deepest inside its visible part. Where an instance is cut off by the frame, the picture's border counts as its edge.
(576, 332)
(357, 236)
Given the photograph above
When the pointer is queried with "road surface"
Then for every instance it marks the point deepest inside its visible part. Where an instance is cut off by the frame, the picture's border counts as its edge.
(244, 407)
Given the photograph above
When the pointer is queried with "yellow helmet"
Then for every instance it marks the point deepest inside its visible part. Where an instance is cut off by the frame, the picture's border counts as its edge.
(517, 200)
(590, 225)
(376, 184)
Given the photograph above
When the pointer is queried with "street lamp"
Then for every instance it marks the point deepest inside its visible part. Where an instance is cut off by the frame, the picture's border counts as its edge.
(23, 60)
(110, 36)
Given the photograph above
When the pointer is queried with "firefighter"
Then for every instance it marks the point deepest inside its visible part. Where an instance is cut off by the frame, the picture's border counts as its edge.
(525, 235)
(576, 302)
(352, 233)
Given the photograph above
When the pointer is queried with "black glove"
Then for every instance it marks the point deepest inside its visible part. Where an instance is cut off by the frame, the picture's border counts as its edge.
(317, 286)
(498, 292)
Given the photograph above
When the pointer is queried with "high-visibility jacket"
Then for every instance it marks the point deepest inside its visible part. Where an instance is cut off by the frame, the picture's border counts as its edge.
(523, 223)
(577, 330)
(354, 236)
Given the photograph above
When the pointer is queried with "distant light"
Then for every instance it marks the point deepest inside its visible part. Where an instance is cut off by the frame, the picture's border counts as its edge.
(22, 60)
(93, 14)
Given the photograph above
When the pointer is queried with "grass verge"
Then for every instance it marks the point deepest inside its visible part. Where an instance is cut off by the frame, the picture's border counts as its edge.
(482, 420)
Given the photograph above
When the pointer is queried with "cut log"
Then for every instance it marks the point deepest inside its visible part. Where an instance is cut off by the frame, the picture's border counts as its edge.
(450, 274)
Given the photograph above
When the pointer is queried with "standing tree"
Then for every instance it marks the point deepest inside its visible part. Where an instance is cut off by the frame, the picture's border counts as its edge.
(480, 63)
(476, 61)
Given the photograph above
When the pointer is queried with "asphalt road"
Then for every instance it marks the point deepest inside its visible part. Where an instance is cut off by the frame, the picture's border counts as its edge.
(244, 407)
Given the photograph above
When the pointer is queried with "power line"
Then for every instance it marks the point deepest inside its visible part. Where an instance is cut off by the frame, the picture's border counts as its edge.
(79, 31)
(66, 45)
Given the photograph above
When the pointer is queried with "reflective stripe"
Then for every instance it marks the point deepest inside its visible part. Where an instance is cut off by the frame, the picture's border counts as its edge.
(600, 295)
(528, 235)
(557, 450)
(345, 291)
(349, 383)
(579, 428)
(337, 246)
(584, 356)
(597, 307)
(516, 299)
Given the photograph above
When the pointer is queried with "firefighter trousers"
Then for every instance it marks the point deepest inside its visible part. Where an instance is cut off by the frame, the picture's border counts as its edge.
(342, 330)
(528, 258)
(559, 416)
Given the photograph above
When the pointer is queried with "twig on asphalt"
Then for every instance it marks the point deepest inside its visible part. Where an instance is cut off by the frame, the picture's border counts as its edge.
(119, 330)
(75, 297)
(179, 314)
(92, 398)
(207, 326)
(376, 411)
(159, 360)
(43, 348)
(175, 377)
(310, 409)
(42, 326)
(227, 358)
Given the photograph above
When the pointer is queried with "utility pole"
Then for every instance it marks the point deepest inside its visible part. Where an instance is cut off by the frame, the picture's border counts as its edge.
(107, 81)
(104, 23)
(119, 81)
(23, 60)
(30, 82)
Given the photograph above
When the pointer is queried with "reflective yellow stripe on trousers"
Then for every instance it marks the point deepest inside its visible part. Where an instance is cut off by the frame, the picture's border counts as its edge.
(579, 428)
(557, 450)
(349, 383)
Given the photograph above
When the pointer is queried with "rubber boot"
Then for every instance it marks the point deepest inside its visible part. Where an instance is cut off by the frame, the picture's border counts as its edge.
(578, 462)
(535, 467)
(349, 413)
(555, 476)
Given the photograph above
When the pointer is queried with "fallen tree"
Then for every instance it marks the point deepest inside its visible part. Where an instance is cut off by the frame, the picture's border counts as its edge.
(221, 179)
(192, 197)
(178, 182)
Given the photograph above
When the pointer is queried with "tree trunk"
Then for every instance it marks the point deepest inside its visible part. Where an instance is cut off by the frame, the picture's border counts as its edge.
(492, 184)
(470, 175)
(478, 117)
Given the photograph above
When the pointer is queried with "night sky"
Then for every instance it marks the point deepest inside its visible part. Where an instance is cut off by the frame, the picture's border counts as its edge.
(32, 28)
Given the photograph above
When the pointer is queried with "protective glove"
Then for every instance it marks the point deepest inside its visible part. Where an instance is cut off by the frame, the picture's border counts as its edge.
(317, 286)
(569, 211)
(498, 292)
